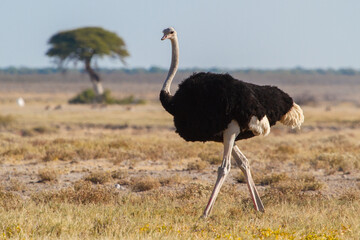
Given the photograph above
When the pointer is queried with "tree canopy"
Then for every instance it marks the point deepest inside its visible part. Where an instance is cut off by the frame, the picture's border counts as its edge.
(85, 43)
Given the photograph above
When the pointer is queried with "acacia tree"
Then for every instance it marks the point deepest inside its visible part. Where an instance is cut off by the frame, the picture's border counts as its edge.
(85, 44)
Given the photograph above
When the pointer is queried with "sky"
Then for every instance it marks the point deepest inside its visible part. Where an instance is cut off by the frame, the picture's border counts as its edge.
(212, 33)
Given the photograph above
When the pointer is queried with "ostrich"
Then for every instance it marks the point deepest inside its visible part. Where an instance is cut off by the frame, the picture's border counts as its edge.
(217, 107)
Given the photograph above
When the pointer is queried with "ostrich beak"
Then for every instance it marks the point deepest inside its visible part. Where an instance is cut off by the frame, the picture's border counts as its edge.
(164, 37)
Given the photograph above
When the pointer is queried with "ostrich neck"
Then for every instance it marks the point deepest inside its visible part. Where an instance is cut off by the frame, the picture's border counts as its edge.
(174, 65)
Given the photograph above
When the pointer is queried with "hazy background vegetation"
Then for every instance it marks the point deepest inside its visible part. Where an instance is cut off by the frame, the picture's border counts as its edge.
(310, 85)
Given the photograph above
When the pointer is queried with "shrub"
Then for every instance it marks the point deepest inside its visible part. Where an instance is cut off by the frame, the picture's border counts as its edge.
(85, 97)
(273, 178)
(144, 184)
(171, 180)
(99, 177)
(119, 174)
(309, 183)
(88, 96)
(47, 174)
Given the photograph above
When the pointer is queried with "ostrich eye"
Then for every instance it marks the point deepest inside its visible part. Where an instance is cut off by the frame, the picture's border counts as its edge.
(172, 32)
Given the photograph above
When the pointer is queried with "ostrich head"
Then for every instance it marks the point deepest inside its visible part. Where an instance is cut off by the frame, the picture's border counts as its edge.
(169, 33)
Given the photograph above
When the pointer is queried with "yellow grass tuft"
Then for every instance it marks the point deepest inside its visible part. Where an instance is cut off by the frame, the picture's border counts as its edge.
(147, 183)
(47, 174)
(99, 177)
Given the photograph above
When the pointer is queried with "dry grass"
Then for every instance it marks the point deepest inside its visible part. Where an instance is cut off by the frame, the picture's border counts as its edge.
(273, 179)
(101, 213)
(14, 153)
(37, 130)
(119, 174)
(9, 200)
(99, 177)
(147, 183)
(283, 182)
(308, 180)
(336, 162)
(6, 121)
(16, 185)
(210, 156)
(197, 165)
(172, 180)
(48, 174)
(81, 193)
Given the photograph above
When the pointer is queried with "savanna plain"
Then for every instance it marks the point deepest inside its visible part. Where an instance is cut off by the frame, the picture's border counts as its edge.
(121, 171)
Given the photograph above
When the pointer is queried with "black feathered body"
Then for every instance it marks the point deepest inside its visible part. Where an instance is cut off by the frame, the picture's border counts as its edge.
(206, 103)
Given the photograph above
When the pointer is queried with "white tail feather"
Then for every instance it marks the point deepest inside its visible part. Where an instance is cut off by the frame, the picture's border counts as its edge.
(261, 127)
(293, 118)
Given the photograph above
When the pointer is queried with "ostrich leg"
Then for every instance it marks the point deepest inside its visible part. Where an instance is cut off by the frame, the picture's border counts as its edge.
(243, 164)
(229, 134)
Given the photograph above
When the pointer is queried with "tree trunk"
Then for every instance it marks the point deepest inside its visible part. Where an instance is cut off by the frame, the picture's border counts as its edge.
(95, 80)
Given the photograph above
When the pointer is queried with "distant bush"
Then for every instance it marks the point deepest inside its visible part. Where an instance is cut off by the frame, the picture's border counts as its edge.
(85, 97)
(108, 99)
(88, 96)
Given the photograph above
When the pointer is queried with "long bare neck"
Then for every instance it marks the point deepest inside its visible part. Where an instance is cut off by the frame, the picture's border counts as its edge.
(174, 65)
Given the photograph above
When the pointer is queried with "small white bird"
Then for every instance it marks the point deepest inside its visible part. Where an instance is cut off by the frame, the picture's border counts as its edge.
(20, 101)
(118, 186)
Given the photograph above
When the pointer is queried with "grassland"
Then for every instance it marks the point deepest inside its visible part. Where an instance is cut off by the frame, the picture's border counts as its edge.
(120, 172)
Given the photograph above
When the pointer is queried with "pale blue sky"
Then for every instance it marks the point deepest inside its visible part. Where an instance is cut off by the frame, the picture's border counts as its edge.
(228, 33)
